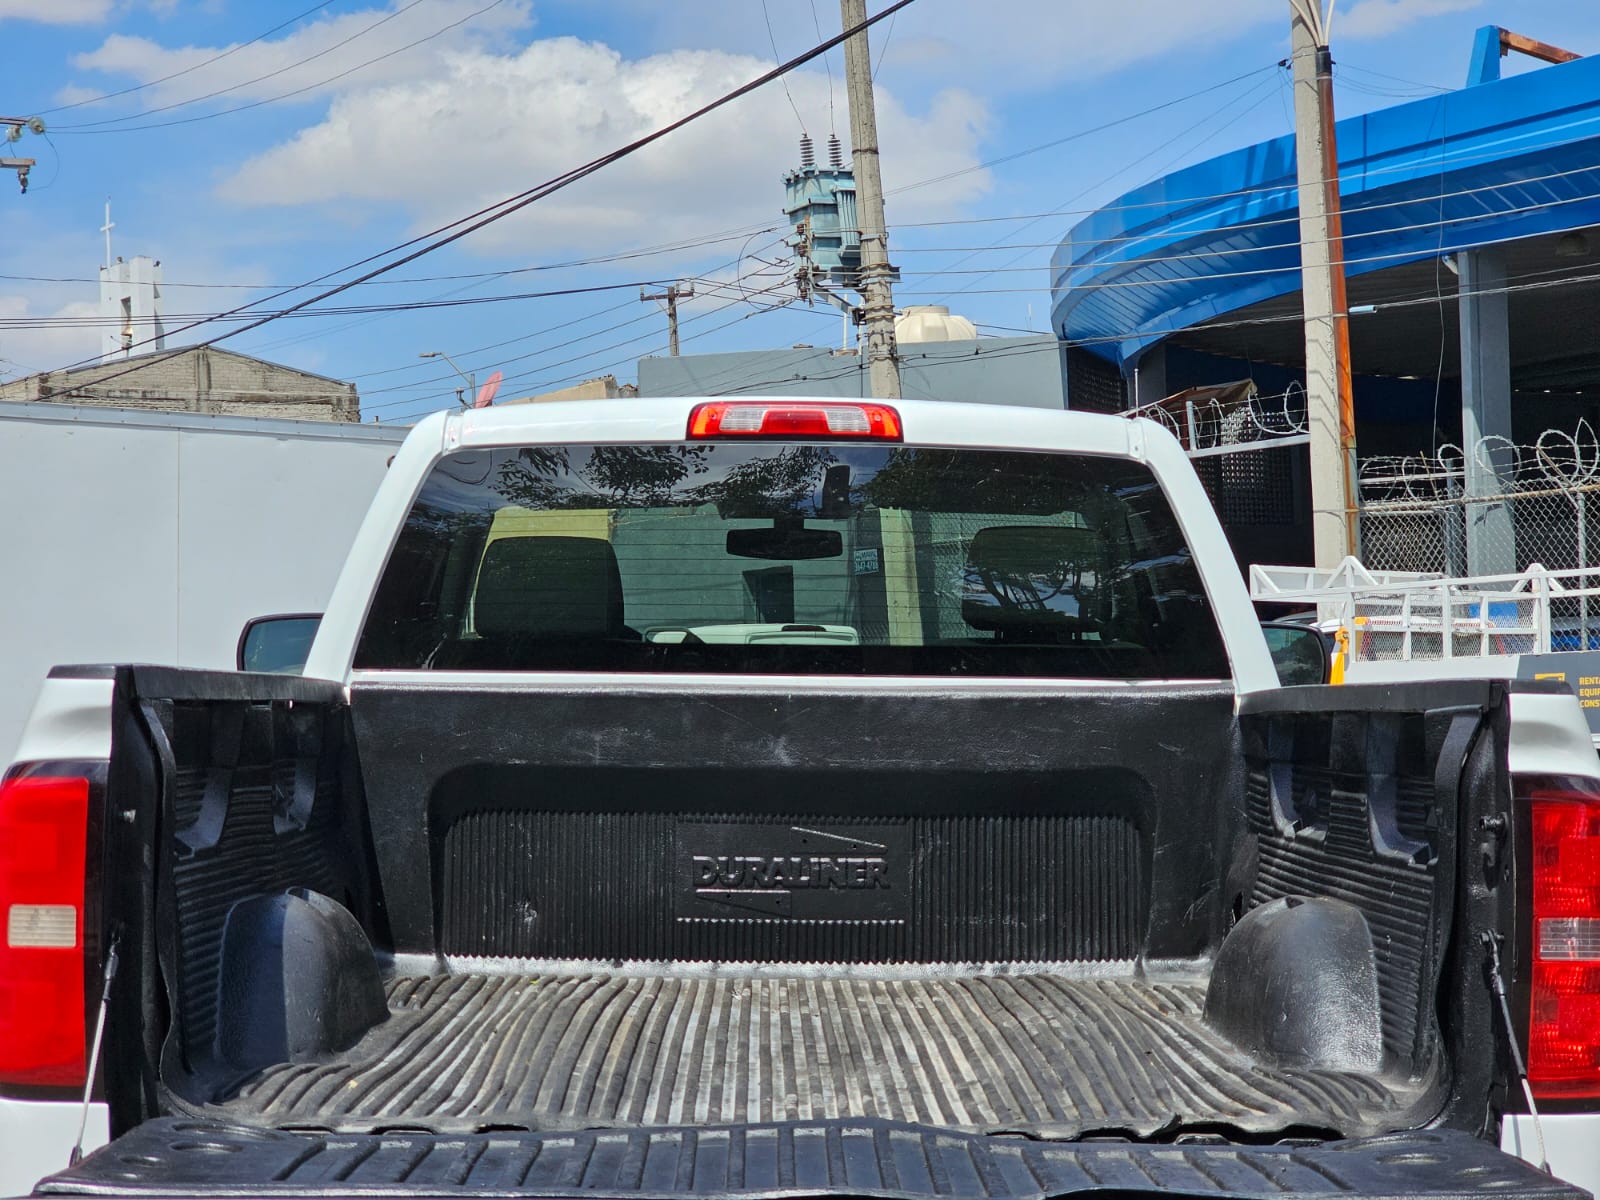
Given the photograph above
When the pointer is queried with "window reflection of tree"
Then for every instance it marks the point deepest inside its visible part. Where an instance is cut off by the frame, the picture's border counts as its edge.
(779, 484)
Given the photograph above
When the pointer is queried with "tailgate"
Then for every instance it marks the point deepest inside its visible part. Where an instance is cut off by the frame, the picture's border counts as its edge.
(858, 1157)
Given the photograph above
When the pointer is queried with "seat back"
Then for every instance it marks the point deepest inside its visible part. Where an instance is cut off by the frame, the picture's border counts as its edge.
(548, 587)
(1033, 581)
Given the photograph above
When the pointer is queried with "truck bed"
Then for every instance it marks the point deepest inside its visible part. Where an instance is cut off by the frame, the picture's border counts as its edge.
(564, 914)
(1042, 1052)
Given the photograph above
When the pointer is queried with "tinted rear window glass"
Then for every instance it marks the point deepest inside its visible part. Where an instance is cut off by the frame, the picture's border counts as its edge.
(829, 559)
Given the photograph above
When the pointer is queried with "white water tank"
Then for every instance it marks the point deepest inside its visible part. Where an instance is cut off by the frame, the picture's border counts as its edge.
(932, 323)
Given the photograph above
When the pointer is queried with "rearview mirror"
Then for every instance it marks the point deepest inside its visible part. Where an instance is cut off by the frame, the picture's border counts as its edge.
(785, 542)
(1299, 652)
(277, 645)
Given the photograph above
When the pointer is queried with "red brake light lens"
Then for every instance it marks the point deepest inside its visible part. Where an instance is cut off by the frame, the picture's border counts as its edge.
(789, 418)
(43, 834)
(1564, 1011)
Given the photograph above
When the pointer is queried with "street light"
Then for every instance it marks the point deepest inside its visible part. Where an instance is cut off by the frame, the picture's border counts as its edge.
(472, 379)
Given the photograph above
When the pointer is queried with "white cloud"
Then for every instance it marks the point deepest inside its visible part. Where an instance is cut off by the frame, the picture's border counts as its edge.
(309, 55)
(1015, 46)
(75, 12)
(26, 351)
(75, 94)
(56, 12)
(1378, 18)
(1044, 43)
(490, 125)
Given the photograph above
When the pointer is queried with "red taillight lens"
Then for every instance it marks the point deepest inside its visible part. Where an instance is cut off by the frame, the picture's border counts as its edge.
(43, 831)
(786, 419)
(1564, 1010)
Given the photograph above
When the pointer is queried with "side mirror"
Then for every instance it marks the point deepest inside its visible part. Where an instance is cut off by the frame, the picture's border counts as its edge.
(277, 645)
(1300, 652)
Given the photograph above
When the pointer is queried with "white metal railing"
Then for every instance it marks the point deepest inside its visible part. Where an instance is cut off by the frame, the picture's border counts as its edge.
(1407, 615)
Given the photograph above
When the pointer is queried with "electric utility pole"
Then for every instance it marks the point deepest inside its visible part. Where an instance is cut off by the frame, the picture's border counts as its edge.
(14, 127)
(877, 276)
(1330, 407)
(672, 295)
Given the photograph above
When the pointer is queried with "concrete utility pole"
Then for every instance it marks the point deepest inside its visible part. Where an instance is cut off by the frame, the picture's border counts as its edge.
(877, 276)
(1329, 400)
(672, 295)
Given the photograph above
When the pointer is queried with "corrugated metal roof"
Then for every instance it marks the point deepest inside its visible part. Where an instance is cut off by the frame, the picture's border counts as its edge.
(1499, 161)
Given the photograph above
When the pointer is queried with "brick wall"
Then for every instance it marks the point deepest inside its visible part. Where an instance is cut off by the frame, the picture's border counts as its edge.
(202, 380)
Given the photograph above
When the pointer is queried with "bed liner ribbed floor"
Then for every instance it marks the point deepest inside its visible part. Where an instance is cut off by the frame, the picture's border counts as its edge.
(1041, 1053)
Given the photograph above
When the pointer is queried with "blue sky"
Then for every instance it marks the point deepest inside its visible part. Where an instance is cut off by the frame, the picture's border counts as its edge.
(363, 123)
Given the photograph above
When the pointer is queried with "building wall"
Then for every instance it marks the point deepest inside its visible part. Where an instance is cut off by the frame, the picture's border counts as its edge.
(1025, 371)
(133, 537)
(130, 306)
(605, 387)
(201, 380)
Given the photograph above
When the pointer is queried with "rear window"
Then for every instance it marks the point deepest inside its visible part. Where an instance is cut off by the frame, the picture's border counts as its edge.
(759, 557)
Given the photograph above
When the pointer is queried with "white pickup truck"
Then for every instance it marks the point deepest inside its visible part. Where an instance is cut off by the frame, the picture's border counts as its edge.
(784, 797)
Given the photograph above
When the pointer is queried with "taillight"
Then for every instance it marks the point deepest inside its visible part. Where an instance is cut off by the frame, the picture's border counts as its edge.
(789, 418)
(43, 834)
(1564, 1008)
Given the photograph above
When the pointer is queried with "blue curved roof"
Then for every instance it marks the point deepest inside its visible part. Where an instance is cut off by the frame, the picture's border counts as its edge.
(1493, 162)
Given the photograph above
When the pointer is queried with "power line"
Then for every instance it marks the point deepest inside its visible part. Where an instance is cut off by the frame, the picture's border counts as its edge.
(1207, 276)
(709, 287)
(706, 283)
(826, 65)
(1173, 203)
(590, 371)
(772, 40)
(615, 308)
(586, 356)
(14, 323)
(234, 87)
(1346, 67)
(122, 128)
(1248, 225)
(648, 335)
(542, 354)
(549, 349)
(1072, 137)
(1179, 136)
(469, 224)
(597, 260)
(139, 87)
(1053, 346)
(540, 333)
(883, 50)
(44, 323)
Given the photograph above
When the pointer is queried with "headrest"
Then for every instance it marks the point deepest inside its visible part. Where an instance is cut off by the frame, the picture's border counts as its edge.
(1032, 578)
(549, 587)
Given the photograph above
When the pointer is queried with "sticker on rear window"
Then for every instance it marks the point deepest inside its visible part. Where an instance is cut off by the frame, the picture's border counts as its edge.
(864, 562)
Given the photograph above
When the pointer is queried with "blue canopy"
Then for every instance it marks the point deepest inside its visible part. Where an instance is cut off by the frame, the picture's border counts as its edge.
(1501, 160)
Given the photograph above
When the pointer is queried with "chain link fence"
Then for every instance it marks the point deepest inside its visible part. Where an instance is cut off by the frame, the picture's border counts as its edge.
(1541, 505)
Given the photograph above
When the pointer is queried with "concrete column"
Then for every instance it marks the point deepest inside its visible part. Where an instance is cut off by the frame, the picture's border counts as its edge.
(1486, 409)
(1330, 406)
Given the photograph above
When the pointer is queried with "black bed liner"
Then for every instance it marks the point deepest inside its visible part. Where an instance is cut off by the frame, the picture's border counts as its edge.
(847, 1158)
(1041, 1053)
